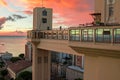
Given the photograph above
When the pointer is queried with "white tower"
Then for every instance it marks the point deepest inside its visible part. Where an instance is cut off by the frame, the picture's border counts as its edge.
(42, 18)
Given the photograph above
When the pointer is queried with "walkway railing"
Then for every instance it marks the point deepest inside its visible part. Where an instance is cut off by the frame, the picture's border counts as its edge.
(107, 34)
(48, 34)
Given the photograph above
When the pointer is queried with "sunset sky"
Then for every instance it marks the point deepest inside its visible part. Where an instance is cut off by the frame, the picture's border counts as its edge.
(16, 15)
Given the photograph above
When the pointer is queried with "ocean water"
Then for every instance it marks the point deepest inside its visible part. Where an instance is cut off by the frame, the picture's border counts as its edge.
(13, 44)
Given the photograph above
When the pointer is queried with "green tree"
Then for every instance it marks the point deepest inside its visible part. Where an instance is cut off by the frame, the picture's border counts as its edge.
(2, 78)
(4, 72)
(14, 59)
(26, 75)
(2, 64)
(21, 56)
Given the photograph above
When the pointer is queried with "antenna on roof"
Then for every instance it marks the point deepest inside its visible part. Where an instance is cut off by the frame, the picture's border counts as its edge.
(42, 3)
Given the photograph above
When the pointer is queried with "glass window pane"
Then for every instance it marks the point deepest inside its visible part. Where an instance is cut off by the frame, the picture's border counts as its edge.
(44, 13)
(72, 32)
(117, 31)
(77, 31)
(99, 31)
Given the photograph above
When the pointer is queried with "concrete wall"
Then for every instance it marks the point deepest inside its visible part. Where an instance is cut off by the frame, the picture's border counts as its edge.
(41, 64)
(56, 45)
(101, 68)
(100, 8)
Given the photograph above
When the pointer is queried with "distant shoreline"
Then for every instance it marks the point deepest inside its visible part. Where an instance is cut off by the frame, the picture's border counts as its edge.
(13, 36)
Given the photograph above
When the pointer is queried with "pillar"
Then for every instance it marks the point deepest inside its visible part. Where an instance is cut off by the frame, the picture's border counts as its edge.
(41, 64)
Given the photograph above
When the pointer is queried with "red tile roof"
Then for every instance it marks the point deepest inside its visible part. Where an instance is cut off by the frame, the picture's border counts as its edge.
(19, 65)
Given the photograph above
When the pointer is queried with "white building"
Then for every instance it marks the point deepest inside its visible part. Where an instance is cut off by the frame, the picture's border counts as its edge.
(16, 68)
(7, 56)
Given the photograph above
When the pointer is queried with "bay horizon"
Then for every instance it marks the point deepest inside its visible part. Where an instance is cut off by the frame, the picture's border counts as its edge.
(13, 44)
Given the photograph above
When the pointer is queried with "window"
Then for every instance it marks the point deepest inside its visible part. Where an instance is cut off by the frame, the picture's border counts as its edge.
(39, 60)
(106, 32)
(111, 11)
(45, 59)
(75, 35)
(44, 20)
(48, 28)
(44, 13)
(103, 35)
(87, 35)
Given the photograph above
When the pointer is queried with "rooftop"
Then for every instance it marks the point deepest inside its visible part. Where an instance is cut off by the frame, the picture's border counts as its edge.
(76, 68)
(19, 65)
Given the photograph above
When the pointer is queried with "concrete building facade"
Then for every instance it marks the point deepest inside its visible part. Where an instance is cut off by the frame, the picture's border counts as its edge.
(109, 10)
(42, 18)
(99, 44)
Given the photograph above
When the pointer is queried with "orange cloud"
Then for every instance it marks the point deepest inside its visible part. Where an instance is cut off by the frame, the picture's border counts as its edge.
(3, 3)
(72, 12)
(28, 12)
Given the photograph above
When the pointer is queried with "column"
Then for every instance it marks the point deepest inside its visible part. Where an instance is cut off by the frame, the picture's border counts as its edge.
(112, 36)
(82, 61)
(73, 59)
(80, 35)
(34, 62)
(41, 64)
(94, 35)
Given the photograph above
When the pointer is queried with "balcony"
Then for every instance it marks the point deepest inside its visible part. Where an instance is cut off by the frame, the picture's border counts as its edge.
(101, 34)
(36, 35)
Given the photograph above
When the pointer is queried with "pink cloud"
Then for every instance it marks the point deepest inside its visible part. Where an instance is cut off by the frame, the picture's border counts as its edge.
(28, 12)
(69, 12)
(2, 21)
(12, 18)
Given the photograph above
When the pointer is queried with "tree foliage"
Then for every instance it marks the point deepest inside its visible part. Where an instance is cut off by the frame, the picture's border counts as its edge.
(26, 75)
(2, 64)
(21, 56)
(4, 72)
(2, 78)
(14, 59)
